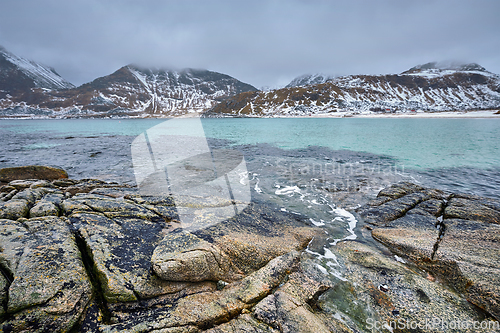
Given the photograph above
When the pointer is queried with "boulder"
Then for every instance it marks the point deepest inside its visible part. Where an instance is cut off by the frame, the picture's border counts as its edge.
(289, 309)
(31, 172)
(101, 261)
(14, 209)
(48, 206)
(114, 261)
(230, 249)
(182, 256)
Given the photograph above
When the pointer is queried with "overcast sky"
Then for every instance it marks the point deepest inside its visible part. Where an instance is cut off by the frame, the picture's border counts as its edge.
(264, 43)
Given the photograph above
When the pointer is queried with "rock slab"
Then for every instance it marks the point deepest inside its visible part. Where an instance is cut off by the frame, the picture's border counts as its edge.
(455, 237)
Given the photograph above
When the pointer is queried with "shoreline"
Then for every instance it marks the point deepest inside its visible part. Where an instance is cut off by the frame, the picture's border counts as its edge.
(492, 114)
(437, 114)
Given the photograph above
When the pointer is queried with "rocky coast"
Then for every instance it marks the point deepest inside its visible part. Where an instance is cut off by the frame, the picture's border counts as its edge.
(93, 256)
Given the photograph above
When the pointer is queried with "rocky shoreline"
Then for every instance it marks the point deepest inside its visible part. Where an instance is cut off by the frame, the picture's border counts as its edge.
(91, 256)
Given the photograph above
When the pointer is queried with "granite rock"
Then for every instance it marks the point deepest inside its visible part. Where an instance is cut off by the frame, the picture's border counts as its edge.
(31, 172)
(49, 289)
(460, 247)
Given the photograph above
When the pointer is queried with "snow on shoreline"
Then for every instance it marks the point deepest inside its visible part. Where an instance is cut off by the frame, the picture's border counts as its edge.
(435, 114)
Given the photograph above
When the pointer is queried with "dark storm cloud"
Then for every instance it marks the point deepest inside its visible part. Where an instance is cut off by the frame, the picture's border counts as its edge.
(264, 43)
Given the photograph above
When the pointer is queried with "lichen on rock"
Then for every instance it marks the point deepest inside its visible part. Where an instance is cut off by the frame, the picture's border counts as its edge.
(460, 246)
(91, 256)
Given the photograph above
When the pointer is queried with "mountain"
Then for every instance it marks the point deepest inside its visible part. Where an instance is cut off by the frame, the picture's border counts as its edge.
(135, 90)
(19, 75)
(28, 89)
(130, 91)
(434, 68)
(428, 87)
(309, 79)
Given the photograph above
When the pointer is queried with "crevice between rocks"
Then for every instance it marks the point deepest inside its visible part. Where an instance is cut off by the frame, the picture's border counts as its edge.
(441, 226)
(6, 274)
(442, 229)
(90, 268)
(9, 277)
(233, 315)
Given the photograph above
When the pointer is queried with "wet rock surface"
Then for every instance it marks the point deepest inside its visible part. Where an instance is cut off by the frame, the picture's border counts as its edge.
(90, 256)
(454, 237)
(378, 291)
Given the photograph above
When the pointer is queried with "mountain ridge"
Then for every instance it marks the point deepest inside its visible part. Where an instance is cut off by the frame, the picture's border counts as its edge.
(129, 91)
(18, 74)
(28, 89)
(422, 88)
(309, 79)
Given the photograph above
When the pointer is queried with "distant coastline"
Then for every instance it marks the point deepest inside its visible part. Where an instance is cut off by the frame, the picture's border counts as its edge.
(435, 114)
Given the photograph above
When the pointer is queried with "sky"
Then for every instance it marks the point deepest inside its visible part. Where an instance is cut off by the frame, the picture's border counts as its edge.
(263, 43)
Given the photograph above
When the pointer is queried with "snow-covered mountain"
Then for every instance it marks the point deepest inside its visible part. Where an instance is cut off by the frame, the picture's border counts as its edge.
(30, 89)
(428, 87)
(309, 79)
(130, 91)
(19, 75)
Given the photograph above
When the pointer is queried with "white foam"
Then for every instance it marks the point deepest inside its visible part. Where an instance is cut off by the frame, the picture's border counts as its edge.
(322, 269)
(243, 177)
(351, 220)
(287, 190)
(316, 223)
(399, 259)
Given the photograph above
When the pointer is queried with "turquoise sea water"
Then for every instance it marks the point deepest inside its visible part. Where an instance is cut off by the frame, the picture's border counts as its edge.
(415, 143)
(461, 153)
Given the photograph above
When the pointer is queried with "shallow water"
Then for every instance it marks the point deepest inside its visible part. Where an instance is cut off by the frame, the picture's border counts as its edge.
(453, 154)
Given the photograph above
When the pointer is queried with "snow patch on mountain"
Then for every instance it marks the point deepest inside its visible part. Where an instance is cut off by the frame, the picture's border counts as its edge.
(131, 91)
(42, 76)
(309, 79)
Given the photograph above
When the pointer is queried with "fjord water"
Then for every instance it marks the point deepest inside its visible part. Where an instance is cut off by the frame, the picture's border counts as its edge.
(455, 154)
